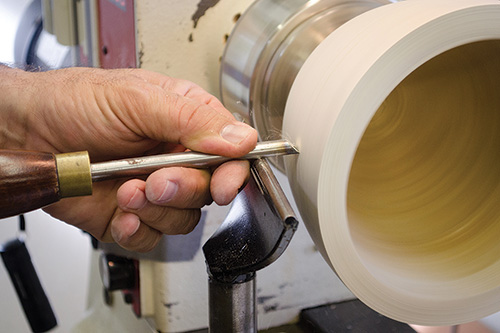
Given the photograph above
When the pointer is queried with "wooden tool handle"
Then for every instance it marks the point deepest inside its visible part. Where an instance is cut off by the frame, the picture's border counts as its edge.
(28, 180)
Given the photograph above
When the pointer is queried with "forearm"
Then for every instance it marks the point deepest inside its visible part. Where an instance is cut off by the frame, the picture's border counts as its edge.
(15, 103)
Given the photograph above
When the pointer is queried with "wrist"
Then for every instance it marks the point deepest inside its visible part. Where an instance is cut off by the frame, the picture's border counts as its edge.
(15, 103)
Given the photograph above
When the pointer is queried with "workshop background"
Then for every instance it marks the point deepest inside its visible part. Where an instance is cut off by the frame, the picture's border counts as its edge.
(61, 253)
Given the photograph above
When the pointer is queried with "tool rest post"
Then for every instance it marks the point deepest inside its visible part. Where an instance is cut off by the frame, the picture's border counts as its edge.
(232, 305)
(256, 231)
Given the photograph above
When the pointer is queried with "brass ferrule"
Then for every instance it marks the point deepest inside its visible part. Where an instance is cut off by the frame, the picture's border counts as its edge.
(73, 172)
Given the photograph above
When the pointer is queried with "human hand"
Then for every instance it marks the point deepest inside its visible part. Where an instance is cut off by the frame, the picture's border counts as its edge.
(124, 113)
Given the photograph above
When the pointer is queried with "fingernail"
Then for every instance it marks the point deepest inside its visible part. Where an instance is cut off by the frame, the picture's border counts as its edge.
(127, 228)
(117, 235)
(235, 133)
(168, 192)
(137, 201)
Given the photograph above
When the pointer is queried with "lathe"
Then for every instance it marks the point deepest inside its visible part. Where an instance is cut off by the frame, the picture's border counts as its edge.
(394, 109)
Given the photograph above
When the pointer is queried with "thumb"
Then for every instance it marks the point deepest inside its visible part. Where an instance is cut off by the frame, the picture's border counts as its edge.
(201, 127)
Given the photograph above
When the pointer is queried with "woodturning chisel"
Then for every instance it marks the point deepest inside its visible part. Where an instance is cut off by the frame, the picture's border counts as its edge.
(30, 180)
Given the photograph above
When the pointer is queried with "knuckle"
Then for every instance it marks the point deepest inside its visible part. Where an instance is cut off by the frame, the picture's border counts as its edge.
(200, 189)
(191, 221)
(191, 116)
(149, 244)
(146, 241)
(137, 95)
(158, 216)
(196, 116)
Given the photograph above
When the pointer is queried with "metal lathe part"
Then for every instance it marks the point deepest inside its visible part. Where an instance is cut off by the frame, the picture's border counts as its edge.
(145, 165)
(259, 66)
(233, 305)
